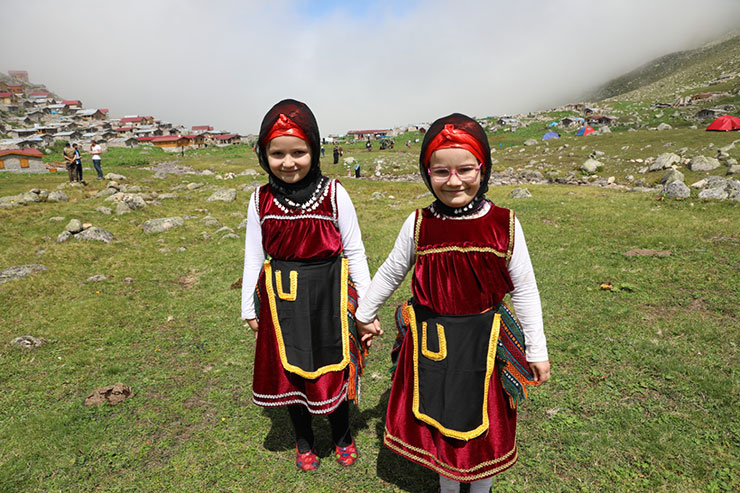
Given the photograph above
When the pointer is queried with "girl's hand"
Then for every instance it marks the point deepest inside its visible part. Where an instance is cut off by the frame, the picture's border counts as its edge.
(367, 331)
(541, 370)
(253, 324)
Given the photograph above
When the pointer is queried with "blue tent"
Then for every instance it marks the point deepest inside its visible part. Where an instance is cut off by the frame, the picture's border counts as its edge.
(551, 135)
(584, 131)
(553, 124)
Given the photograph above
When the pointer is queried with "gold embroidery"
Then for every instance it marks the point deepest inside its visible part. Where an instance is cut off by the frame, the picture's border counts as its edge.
(511, 236)
(279, 333)
(446, 469)
(460, 249)
(442, 353)
(417, 229)
(490, 363)
(293, 285)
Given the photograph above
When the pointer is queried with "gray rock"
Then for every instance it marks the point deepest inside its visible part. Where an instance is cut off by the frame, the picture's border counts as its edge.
(591, 166)
(671, 176)
(129, 188)
(242, 225)
(114, 176)
(664, 161)
(225, 195)
(703, 163)
(677, 189)
(106, 192)
(605, 130)
(248, 172)
(74, 226)
(63, 236)
(27, 342)
(520, 193)
(95, 234)
(211, 222)
(713, 193)
(29, 197)
(113, 184)
(122, 208)
(162, 224)
(96, 278)
(223, 229)
(733, 185)
(160, 174)
(56, 219)
(133, 201)
(530, 142)
(734, 169)
(194, 186)
(735, 196)
(19, 272)
(181, 249)
(232, 236)
(664, 126)
(715, 182)
(104, 210)
(57, 196)
(163, 196)
(128, 280)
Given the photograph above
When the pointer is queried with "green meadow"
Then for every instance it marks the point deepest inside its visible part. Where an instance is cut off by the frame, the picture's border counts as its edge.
(644, 391)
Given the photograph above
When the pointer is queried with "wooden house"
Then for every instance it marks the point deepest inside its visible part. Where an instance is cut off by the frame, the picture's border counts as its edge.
(17, 89)
(73, 104)
(123, 142)
(201, 128)
(22, 161)
(367, 134)
(226, 139)
(196, 140)
(170, 143)
(38, 95)
(7, 97)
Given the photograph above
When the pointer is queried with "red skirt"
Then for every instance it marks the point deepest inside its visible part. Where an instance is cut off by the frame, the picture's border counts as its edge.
(273, 386)
(466, 461)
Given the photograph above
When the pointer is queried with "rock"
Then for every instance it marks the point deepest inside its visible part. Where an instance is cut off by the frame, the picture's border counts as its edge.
(130, 188)
(19, 272)
(714, 193)
(194, 186)
(56, 219)
(229, 236)
(162, 224)
(57, 196)
(74, 226)
(211, 222)
(703, 163)
(715, 182)
(163, 196)
(591, 166)
(128, 280)
(182, 249)
(95, 234)
(160, 174)
(676, 189)
(734, 169)
(665, 161)
(133, 201)
(671, 176)
(96, 278)
(223, 229)
(699, 184)
(350, 160)
(112, 394)
(242, 225)
(530, 142)
(664, 126)
(27, 342)
(106, 192)
(29, 197)
(520, 193)
(225, 195)
(122, 208)
(86, 226)
(114, 176)
(63, 236)
(104, 210)
(248, 172)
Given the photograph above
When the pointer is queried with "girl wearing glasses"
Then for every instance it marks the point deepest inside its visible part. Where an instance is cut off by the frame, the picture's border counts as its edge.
(463, 361)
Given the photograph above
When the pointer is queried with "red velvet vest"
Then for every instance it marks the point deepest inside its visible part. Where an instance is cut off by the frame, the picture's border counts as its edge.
(461, 264)
(300, 234)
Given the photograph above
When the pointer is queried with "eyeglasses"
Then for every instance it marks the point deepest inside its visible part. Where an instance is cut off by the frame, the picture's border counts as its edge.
(467, 173)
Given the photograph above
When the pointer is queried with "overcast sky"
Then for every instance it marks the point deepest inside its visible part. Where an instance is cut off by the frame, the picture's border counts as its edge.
(357, 64)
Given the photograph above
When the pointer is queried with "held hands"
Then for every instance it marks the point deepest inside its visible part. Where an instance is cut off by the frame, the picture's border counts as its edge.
(368, 331)
(541, 370)
(253, 324)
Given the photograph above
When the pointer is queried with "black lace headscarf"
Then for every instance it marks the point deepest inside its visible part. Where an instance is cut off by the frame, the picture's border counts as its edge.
(302, 116)
(472, 128)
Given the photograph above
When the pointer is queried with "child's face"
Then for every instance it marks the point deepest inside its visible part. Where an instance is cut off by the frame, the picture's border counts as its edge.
(454, 192)
(289, 158)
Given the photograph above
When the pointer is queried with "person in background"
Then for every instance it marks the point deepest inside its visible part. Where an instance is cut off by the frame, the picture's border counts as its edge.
(69, 162)
(78, 163)
(96, 150)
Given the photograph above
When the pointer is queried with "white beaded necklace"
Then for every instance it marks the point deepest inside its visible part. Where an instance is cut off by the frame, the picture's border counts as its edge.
(318, 195)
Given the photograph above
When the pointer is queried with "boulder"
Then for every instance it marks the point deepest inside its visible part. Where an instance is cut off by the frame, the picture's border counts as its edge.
(19, 272)
(225, 195)
(63, 236)
(229, 236)
(734, 169)
(664, 126)
(106, 192)
(163, 196)
(520, 193)
(133, 201)
(194, 186)
(671, 176)
(665, 161)
(74, 226)
(162, 224)
(530, 142)
(122, 208)
(211, 222)
(714, 193)
(29, 197)
(27, 342)
(703, 163)
(591, 166)
(104, 210)
(677, 189)
(57, 196)
(95, 234)
(96, 278)
(114, 176)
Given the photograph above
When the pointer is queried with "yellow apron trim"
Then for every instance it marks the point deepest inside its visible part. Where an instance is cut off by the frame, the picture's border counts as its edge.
(511, 236)
(435, 464)
(293, 285)
(442, 353)
(279, 333)
(462, 250)
(490, 364)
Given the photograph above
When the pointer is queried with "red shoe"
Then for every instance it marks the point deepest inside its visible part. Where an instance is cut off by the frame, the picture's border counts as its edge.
(307, 461)
(346, 456)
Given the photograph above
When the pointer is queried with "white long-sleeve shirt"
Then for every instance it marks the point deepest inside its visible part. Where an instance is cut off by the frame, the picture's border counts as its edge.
(525, 297)
(349, 229)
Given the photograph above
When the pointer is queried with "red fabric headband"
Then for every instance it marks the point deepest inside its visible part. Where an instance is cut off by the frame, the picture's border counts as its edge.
(457, 138)
(284, 126)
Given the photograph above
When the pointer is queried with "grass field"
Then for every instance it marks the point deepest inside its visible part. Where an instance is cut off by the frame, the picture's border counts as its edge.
(644, 390)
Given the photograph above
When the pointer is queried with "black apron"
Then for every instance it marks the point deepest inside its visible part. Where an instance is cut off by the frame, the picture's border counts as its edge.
(454, 359)
(308, 306)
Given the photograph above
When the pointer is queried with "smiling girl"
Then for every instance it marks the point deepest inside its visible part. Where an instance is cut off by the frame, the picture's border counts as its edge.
(309, 356)
(461, 363)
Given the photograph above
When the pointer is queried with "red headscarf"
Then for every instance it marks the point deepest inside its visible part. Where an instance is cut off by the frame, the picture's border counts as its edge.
(284, 126)
(452, 137)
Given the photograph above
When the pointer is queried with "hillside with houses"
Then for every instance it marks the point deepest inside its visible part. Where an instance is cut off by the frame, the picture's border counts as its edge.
(32, 119)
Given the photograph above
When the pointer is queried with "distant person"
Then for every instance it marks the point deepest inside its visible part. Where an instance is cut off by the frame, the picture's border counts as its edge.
(78, 163)
(96, 151)
(368, 146)
(357, 169)
(341, 151)
(336, 154)
(69, 162)
(323, 151)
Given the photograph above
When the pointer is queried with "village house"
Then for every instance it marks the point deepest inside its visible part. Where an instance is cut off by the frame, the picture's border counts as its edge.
(169, 143)
(367, 134)
(72, 104)
(572, 120)
(601, 119)
(143, 140)
(68, 136)
(19, 74)
(123, 142)
(709, 113)
(201, 128)
(91, 114)
(22, 161)
(226, 139)
(195, 140)
(7, 97)
(38, 95)
(17, 89)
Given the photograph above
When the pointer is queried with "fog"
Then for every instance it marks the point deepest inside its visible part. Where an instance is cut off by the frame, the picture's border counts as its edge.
(358, 65)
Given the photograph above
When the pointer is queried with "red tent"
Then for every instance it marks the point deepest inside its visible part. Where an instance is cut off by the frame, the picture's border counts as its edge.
(725, 123)
(584, 131)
